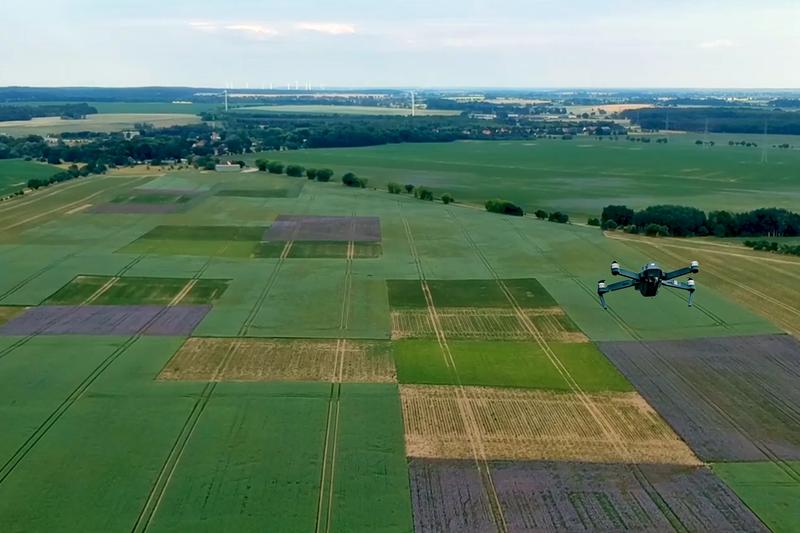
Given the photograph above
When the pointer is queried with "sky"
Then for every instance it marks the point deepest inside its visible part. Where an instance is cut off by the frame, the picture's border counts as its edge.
(414, 43)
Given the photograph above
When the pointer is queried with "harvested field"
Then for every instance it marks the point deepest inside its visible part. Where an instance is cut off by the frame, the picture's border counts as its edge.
(550, 496)
(485, 323)
(107, 320)
(324, 228)
(731, 399)
(539, 425)
(209, 359)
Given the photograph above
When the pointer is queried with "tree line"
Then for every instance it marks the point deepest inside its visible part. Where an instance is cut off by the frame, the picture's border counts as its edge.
(28, 112)
(683, 221)
(718, 119)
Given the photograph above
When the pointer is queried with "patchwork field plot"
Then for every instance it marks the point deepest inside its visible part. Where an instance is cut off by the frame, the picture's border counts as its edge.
(539, 425)
(547, 496)
(485, 323)
(108, 290)
(107, 320)
(771, 490)
(319, 250)
(149, 201)
(471, 293)
(324, 228)
(105, 122)
(223, 241)
(289, 192)
(731, 399)
(506, 364)
(209, 359)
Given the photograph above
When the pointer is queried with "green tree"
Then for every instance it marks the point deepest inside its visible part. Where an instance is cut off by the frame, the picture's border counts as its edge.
(540, 214)
(423, 193)
(275, 167)
(394, 188)
(261, 164)
(296, 171)
(311, 173)
(409, 188)
(558, 216)
(593, 221)
(351, 180)
(447, 198)
(324, 174)
(620, 214)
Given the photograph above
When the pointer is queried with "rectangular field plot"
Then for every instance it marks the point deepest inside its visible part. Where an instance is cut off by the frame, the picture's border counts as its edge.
(485, 323)
(209, 359)
(222, 241)
(547, 496)
(149, 202)
(506, 364)
(253, 462)
(771, 490)
(108, 290)
(107, 320)
(318, 250)
(470, 293)
(261, 193)
(324, 228)
(731, 399)
(454, 422)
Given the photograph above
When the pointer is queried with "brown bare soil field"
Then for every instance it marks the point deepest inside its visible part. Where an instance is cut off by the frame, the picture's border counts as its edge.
(484, 323)
(199, 359)
(520, 424)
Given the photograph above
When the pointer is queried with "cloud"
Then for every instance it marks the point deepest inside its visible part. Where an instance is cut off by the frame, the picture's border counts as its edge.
(254, 29)
(717, 43)
(331, 28)
(203, 26)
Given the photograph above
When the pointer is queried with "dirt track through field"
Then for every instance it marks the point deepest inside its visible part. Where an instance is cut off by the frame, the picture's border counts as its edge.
(464, 407)
(273, 276)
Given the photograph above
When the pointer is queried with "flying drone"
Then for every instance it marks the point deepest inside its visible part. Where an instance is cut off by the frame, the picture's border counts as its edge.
(648, 280)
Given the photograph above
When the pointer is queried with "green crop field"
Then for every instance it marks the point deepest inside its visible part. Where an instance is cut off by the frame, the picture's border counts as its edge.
(578, 176)
(323, 109)
(15, 173)
(771, 491)
(484, 317)
(101, 122)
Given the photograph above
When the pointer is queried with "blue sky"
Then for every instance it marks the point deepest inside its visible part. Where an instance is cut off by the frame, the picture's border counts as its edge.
(444, 43)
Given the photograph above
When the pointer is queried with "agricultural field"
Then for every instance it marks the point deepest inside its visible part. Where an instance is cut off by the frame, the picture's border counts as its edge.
(184, 350)
(15, 173)
(324, 109)
(101, 122)
(580, 176)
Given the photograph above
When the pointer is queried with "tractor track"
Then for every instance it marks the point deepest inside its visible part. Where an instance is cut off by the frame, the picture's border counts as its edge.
(324, 518)
(463, 399)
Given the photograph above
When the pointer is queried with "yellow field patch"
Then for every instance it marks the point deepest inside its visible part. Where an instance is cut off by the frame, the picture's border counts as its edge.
(515, 424)
(218, 359)
(484, 323)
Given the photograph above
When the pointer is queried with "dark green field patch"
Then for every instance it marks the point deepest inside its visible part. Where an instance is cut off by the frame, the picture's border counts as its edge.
(529, 293)
(506, 364)
(103, 290)
(405, 294)
(467, 293)
(206, 233)
(318, 250)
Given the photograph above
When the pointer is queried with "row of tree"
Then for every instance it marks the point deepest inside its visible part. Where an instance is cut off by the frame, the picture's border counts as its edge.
(71, 173)
(683, 221)
(778, 248)
(28, 112)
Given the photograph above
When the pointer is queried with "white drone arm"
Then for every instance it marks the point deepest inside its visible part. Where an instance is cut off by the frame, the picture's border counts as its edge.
(689, 286)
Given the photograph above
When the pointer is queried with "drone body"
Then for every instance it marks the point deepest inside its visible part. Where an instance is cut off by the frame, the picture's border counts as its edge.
(648, 280)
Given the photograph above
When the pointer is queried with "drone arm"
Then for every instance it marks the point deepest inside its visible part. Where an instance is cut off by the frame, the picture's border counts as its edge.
(603, 289)
(691, 269)
(617, 271)
(684, 286)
